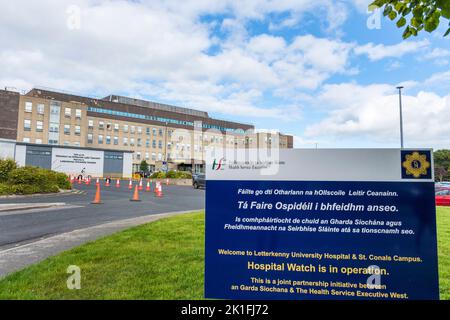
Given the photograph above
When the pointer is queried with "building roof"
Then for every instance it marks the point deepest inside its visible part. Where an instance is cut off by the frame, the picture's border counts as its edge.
(152, 113)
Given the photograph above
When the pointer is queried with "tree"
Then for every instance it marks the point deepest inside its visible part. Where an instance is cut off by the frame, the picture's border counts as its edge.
(440, 173)
(442, 164)
(143, 166)
(422, 14)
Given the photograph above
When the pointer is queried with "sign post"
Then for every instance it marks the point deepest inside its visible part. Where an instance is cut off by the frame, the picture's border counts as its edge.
(322, 224)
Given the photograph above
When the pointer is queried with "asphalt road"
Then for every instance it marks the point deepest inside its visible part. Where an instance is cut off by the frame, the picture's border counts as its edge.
(24, 227)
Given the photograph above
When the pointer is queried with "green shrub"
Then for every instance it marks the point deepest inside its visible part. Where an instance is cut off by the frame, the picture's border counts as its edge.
(60, 179)
(6, 166)
(184, 175)
(158, 175)
(171, 174)
(5, 189)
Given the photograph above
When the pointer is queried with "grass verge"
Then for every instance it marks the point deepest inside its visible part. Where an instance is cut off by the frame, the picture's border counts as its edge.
(161, 260)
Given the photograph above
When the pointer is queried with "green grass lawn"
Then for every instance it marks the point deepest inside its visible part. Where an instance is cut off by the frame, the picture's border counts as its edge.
(161, 260)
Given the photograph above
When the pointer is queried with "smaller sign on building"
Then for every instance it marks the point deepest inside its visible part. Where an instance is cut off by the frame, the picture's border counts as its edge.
(78, 161)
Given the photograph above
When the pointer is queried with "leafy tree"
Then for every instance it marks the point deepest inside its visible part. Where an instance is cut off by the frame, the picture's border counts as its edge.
(422, 14)
(440, 173)
(442, 164)
(143, 166)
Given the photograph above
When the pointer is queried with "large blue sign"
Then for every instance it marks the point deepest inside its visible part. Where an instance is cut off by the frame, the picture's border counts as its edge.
(280, 237)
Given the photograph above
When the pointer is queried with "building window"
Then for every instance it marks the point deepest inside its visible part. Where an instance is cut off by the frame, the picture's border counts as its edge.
(154, 144)
(109, 126)
(125, 141)
(138, 156)
(90, 138)
(160, 144)
(116, 127)
(154, 131)
(67, 129)
(27, 125)
(160, 132)
(131, 141)
(139, 142)
(77, 130)
(116, 141)
(26, 140)
(108, 139)
(91, 124)
(54, 110)
(28, 107)
(54, 127)
(125, 128)
(101, 125)
(139, 130)
(40, 108)
(76, 144)
(147, 143)
(67, 143)
(132, 129)
(148, 130)
(159, 156)
(100, 139)
(39, 126)
(169, 145)
(78, 113)
(52, 141)
(68, 112)
(38, 141)
(147, 156)
(153, 156)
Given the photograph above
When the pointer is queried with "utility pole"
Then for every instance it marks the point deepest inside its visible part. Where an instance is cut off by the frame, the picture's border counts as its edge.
(401, 115)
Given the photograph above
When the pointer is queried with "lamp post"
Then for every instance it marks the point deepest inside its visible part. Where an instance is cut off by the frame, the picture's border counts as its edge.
(401, 115)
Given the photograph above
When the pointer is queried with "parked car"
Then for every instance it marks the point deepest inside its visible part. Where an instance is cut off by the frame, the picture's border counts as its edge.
(198, 180)
(443, 197)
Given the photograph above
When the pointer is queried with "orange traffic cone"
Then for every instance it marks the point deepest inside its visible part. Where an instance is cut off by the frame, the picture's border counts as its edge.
(107, 184)
(148, 189)
(135, 195)
(118, 183)
(159, 192)
(97, 198)
(98, 182)
(130, 185)
(79, 180)
(87, 181)
(140, 185)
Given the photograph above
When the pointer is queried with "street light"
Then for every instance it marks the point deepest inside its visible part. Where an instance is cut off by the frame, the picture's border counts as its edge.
(401, 115)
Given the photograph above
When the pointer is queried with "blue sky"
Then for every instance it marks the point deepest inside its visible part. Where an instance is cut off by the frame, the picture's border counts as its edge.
(312, 69)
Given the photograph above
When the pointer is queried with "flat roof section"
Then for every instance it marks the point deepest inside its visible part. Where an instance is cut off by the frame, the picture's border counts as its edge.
(72, 147)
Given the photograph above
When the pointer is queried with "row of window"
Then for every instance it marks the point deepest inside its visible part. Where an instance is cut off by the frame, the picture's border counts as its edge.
(54, 127)
(40, 109)
(154, 156)
(126, 128)
(53, 142)
(159, 119)
(126, 141)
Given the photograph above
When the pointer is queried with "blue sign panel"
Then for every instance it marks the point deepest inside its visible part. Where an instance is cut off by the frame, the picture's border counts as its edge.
(305, 239)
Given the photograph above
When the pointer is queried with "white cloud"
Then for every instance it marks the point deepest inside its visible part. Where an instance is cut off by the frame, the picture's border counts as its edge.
(370, 114)
(160, 49)
(377, 52)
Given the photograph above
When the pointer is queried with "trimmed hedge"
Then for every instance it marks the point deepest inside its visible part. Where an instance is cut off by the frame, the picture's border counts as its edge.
(172, 175)
(6, 166)
(30, 180)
